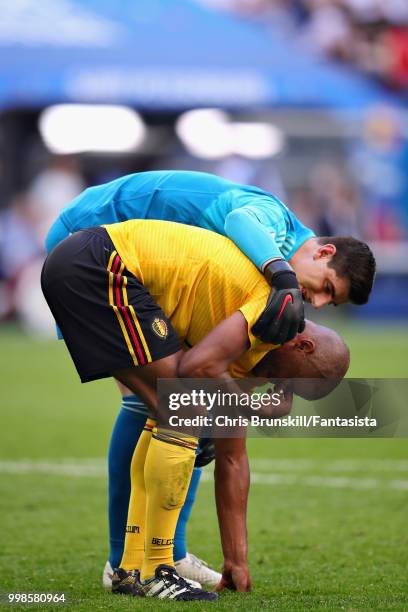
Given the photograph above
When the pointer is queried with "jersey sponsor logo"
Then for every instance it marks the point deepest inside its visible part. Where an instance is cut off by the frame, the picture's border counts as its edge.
(160, 328)
(132, 529)
(163, 542)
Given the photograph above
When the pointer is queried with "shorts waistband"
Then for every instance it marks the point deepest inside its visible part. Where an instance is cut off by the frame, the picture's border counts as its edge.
(100, 231)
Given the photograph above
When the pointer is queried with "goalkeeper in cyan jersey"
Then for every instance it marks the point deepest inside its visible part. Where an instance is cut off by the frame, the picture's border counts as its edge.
(271, 236)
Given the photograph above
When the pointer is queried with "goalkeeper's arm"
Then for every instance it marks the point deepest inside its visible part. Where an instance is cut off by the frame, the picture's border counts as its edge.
(250, 228)
(283, 316)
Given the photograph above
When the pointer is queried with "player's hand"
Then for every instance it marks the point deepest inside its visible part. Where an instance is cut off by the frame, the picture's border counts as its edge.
(283, 316)
(235, 577)
(275, 411)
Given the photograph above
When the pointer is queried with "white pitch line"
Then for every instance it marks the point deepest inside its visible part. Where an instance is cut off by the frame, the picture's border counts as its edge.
(70, 467)
(97, 468)
(323, 482)
(336, 465)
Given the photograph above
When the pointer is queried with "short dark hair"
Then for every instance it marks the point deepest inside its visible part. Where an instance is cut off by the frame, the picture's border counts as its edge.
(354, 261)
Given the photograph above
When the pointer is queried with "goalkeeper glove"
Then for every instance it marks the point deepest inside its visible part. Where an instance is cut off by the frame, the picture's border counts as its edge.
(205, 452)
(283, 316)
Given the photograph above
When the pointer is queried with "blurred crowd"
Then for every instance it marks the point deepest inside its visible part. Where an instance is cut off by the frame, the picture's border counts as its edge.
(332, 197)
(370, 35)
(24, 223)
(341, 182)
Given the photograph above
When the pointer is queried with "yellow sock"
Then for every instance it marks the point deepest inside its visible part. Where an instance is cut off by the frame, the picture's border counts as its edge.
(168, 468)
(133, 552)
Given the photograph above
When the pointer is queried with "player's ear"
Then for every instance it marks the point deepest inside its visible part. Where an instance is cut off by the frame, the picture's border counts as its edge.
(306, 345)
(325, 251)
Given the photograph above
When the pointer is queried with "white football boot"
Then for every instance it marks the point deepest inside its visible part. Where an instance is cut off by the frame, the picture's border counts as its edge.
(108, 574)
(192, 568)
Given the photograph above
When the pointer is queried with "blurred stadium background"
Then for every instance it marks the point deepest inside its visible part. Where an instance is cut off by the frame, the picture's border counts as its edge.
(305, 98)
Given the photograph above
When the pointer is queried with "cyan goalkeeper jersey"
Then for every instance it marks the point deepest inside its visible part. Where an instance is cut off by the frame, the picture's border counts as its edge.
(258, 222)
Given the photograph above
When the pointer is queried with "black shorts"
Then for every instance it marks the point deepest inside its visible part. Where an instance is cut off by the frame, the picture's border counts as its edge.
(108, 319)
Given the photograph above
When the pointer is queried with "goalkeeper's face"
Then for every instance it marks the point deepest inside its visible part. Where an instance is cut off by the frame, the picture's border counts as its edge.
(319, 282)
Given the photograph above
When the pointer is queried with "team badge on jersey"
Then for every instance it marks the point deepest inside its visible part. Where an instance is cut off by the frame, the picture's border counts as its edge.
(160, 328)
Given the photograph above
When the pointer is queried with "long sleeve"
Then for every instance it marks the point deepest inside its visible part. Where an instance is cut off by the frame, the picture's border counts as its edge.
(258, 233)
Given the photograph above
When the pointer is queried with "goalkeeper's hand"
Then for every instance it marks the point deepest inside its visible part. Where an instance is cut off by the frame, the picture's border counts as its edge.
(205, 452)
(283, 316)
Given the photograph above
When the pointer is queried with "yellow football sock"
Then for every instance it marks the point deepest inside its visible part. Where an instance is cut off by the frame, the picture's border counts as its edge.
(133, 552)
(168, 468)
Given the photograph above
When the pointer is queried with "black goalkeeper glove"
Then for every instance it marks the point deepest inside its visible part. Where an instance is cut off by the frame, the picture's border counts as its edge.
(283, 316)
(205, 452)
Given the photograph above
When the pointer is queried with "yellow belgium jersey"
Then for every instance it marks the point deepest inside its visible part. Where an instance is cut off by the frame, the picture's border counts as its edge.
(197, 277)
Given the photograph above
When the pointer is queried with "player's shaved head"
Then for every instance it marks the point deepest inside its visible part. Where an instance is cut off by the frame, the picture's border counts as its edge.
(317, 353)
(330, 357)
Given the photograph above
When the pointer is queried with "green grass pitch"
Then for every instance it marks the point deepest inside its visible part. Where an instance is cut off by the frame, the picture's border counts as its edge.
(327, 518)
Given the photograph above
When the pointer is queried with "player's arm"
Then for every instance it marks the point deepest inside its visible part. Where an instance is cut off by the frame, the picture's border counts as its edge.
(253, 230)
(250, 229)
(231, 493)
(211, 357)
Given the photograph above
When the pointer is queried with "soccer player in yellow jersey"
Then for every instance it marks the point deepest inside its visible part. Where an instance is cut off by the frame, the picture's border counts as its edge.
(125, 297)
(270, 235)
